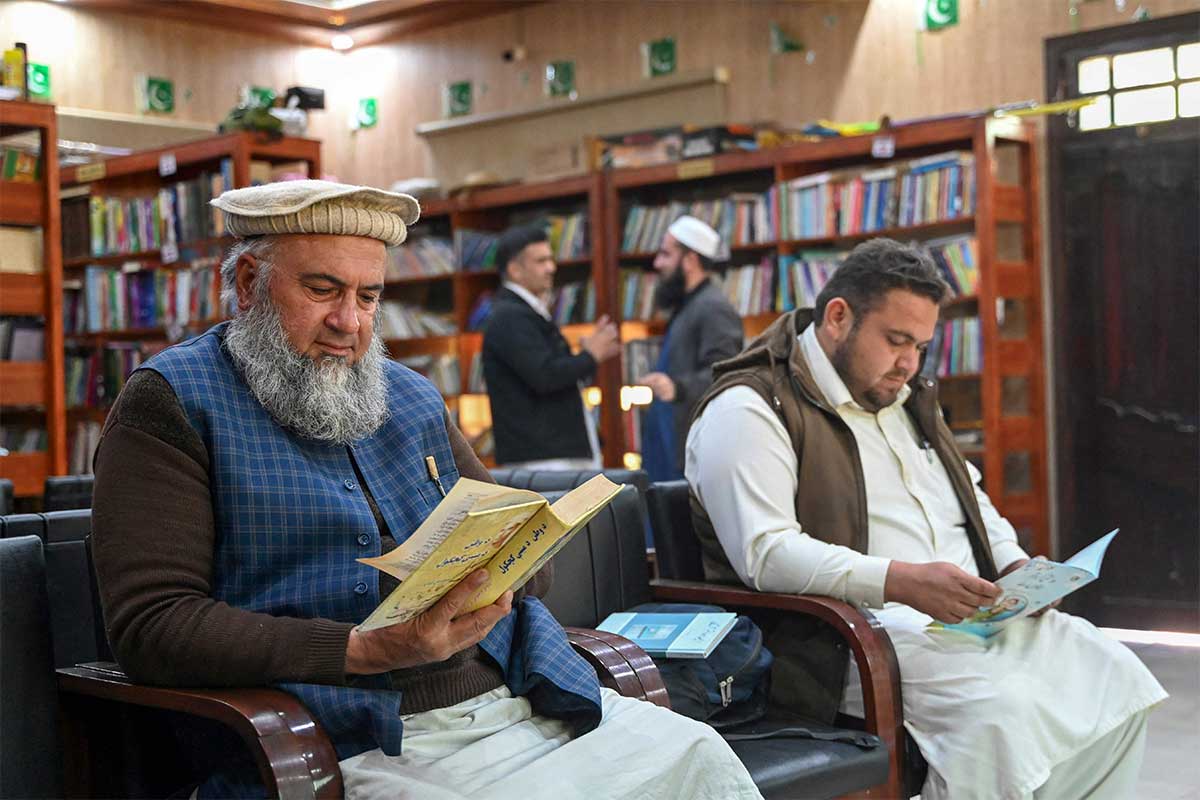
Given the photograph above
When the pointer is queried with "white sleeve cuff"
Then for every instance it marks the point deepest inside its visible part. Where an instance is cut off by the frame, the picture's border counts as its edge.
(868, 575)
(1006, 552)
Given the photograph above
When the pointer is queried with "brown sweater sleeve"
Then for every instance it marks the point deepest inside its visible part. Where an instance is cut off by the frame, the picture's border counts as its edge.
(153, 536)
(469, 466)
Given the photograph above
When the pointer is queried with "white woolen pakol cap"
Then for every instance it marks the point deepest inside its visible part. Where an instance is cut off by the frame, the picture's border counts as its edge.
(695, 235)
(319, 207)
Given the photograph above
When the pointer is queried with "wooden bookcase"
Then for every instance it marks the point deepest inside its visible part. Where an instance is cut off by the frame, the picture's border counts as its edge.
(1005, 400)
(456, 294)
(142, 174)
(32, 392)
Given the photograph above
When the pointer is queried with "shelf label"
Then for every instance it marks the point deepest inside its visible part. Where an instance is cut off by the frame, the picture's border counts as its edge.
(166, 164)
(90, 172)
(883, 147)
(696, 168)
(169, 253)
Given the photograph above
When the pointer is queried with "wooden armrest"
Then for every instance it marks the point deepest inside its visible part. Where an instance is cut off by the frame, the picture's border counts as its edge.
(869, 642)
(621, 665)
(294, 757)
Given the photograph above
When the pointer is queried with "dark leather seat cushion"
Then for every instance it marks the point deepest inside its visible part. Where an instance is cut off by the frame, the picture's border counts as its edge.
(30, 755)
(64, 492)
(801, 767)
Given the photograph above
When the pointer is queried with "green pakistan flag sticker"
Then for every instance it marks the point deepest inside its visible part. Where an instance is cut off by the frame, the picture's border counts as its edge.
(560, 78)
(37, 78)
(456, 100)
(368, 112)
(160, 95)
(658, 57)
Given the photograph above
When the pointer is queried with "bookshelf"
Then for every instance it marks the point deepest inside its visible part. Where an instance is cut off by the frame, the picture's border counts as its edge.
(992, 378)
(31, 391)
(141, 253)
(456, 295)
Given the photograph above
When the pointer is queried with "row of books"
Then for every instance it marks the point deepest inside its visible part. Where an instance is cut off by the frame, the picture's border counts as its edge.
(636, 290)
(111, 299)
(475, 251)
(177, 213)
(958, 259)
(443, 372)
(94, 378)
(960, 346)
(849, 202)
(22, 339)
(399, 320)
(19, 166)
(568, 235)
(802, 276)
(82, 446)
(421, 256)
(573, 303)
(749, 288)
(22, 439)
(741, 218)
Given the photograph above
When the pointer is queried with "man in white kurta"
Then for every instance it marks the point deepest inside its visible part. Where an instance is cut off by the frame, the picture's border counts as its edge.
(1048, 708)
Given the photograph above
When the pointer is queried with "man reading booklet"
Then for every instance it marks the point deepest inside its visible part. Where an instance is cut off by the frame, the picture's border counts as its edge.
(242, 475)
(820, 463)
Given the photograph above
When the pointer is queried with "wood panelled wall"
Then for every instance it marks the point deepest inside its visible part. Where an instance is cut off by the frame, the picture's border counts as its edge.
(867, 60)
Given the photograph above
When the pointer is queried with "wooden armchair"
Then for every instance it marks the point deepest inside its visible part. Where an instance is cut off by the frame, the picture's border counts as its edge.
(682, 580)
(70, 725)
(293, 755)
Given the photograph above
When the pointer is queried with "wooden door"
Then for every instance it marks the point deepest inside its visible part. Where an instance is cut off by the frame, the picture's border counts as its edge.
(1125, 208)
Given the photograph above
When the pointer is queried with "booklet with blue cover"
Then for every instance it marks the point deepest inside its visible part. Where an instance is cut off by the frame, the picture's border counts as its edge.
(671, 635)
(1037, 584)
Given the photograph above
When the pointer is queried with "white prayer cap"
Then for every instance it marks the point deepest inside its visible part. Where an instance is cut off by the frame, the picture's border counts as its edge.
(695, 235)
(319, 207)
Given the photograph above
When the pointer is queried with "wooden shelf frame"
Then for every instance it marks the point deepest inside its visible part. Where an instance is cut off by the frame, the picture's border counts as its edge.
(36, 204)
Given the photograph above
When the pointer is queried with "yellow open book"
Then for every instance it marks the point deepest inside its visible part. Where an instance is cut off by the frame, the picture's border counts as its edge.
(510, 532)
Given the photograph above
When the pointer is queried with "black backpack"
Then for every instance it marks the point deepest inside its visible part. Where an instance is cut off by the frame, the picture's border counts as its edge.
(728, 688)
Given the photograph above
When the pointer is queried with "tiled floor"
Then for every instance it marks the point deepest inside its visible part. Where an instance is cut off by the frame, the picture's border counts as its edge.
(1171, 770)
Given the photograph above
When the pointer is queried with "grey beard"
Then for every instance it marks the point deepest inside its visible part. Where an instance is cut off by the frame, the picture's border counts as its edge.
(326, 400)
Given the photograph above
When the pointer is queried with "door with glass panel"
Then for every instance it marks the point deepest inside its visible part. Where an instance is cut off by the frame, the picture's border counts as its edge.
(1124, 175)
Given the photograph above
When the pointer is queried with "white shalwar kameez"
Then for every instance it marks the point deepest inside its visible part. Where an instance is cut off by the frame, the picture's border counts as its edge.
(494, 747)
(1049, 702)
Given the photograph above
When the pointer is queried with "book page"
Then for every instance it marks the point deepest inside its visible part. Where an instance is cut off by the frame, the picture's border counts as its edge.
(545, 534)
(466, 496)
(590, 495)
(461, 549)
(1037, 584)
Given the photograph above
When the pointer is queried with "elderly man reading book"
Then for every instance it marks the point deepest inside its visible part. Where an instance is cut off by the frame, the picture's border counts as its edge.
(241, 475)
(820, 463)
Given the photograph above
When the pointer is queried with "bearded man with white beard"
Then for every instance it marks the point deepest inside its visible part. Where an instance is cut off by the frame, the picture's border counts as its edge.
(274, 450)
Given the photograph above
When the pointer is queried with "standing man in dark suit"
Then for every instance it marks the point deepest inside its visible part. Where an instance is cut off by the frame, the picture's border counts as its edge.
(533, 380)
(703, 330)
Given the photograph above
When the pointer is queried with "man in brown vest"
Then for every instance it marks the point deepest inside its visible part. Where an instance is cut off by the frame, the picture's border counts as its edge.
(820, 464)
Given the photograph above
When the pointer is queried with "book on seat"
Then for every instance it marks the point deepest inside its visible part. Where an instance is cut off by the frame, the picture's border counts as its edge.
(1032, 587)
(510, 532)
(671, 635)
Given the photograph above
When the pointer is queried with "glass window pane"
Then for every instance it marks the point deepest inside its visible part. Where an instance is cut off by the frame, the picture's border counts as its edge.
(1096, 116)
(1189, 99)
(1144, 105)
(1143, 67)
(1093, 75)
(1188, 57)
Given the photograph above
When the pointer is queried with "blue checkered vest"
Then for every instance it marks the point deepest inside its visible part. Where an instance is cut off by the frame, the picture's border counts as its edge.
(291, 519)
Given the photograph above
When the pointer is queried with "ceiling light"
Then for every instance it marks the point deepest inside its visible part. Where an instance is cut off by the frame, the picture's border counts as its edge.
(341, 42)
